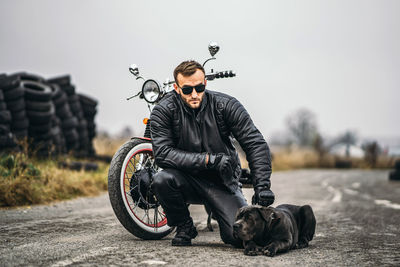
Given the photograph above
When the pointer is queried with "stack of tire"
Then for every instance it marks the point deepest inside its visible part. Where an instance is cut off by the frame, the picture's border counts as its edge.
(48, 113)
(74, 124)
(69, 123)
(6, 137)
(40, 112)
(14, 98)
(89, 108)
(395, 175)
(76, 108)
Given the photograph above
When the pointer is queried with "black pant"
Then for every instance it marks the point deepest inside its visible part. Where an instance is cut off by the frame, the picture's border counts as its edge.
(175, 189)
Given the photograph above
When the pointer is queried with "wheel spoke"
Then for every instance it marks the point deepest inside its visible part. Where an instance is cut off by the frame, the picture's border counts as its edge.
(162, 215)
(145, 208)
(155, 217)
(130, 167)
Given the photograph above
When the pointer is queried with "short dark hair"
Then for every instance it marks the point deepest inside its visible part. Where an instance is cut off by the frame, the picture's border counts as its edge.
(187, 68)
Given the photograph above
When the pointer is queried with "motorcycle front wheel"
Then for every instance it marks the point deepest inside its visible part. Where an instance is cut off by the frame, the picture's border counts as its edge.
(129, 189)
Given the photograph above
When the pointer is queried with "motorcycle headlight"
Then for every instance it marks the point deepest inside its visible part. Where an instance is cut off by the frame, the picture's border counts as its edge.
(151, 91)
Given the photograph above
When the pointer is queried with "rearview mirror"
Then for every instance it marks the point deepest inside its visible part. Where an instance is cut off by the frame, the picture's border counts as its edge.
(134, 70)
(213, 47)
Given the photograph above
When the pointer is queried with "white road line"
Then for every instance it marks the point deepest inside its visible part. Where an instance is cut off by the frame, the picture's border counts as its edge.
(387, 204)
(337, 195)
(83, 257)
(351, 191)
(153, 262)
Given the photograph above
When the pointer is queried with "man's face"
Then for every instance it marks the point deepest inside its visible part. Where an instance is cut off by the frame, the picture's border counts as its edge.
(194, 99)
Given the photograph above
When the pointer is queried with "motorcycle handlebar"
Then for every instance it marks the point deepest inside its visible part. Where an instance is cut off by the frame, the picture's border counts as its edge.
(220, 75)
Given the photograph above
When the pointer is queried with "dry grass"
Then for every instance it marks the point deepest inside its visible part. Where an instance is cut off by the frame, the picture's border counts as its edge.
(289, 158)
(26, 181)
(107, 146)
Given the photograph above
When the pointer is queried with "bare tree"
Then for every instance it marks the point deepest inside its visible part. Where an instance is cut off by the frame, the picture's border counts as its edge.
(302, 125)
(372, 150)
(348, 138)
(320, 148)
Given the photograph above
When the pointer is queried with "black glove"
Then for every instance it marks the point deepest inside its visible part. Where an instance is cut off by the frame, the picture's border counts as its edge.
(222, 164)
(263, 197)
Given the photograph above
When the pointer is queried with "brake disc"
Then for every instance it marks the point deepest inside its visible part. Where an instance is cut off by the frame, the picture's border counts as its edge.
(140, 189)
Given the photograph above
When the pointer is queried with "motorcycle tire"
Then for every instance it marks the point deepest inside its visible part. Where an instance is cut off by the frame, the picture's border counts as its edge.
(134, 158)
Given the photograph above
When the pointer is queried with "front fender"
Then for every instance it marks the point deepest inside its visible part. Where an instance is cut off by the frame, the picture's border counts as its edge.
(140, 137)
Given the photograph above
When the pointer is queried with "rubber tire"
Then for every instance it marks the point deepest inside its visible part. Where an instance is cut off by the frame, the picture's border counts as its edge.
(40, 117)
(40, 128)
(19, 115)
(24, 76)
(41, 137)
(3, 105)
(9, 83)
(20, 134)
(37, 91)
(56, 90)
(4, 129)
(16, 105)
(70, 123)
(60, 80)
(75, 107)
(87, 101)
(5, 116)
(69, 89)
(7, 141)
(91, 166)
(20, 124)
(38, 106)
(63, 112)
(61, 100)
(13, 94)
(114, 191)
(71, 136)
(89, 112)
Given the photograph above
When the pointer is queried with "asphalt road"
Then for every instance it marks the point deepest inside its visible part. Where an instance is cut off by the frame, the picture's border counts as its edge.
(358, 218)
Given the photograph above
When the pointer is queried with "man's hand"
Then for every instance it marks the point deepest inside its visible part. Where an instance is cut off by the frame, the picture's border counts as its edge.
(263, 197)
(222, 164)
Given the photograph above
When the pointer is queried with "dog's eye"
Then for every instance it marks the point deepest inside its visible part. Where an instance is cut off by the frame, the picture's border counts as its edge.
(249, 218)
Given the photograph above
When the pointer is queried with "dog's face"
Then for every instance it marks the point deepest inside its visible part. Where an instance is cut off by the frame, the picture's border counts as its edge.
(252, 221)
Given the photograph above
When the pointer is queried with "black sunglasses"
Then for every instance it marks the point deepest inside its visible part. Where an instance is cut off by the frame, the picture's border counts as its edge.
(187, 90)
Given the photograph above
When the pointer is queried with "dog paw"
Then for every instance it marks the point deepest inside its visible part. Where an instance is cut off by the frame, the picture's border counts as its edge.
(251, 253)
(301, 245)
(270, 251)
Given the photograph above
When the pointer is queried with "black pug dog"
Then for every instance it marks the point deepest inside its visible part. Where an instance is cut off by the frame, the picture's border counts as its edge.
(268, 230)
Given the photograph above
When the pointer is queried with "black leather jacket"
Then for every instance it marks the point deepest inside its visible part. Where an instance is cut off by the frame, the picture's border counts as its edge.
(182, 137)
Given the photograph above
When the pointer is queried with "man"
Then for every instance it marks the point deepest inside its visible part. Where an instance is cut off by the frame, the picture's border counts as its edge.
(192, 130)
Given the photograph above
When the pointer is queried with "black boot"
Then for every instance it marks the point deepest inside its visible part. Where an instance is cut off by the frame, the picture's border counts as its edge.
(185, 232)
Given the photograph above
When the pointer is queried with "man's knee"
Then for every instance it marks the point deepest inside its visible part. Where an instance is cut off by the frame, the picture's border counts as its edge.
(163, 180)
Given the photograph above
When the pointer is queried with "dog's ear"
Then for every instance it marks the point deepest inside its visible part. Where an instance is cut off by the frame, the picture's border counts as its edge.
(240, 212)
(275, 219)
(269, 215)
(266, 213)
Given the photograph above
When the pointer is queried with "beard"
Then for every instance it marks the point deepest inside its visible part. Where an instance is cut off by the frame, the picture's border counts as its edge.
(193, 103)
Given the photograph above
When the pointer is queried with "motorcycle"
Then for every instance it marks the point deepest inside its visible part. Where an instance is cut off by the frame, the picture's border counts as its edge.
(132, 167)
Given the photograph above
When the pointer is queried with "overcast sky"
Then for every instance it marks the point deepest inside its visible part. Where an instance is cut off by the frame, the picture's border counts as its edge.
(339, 59)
